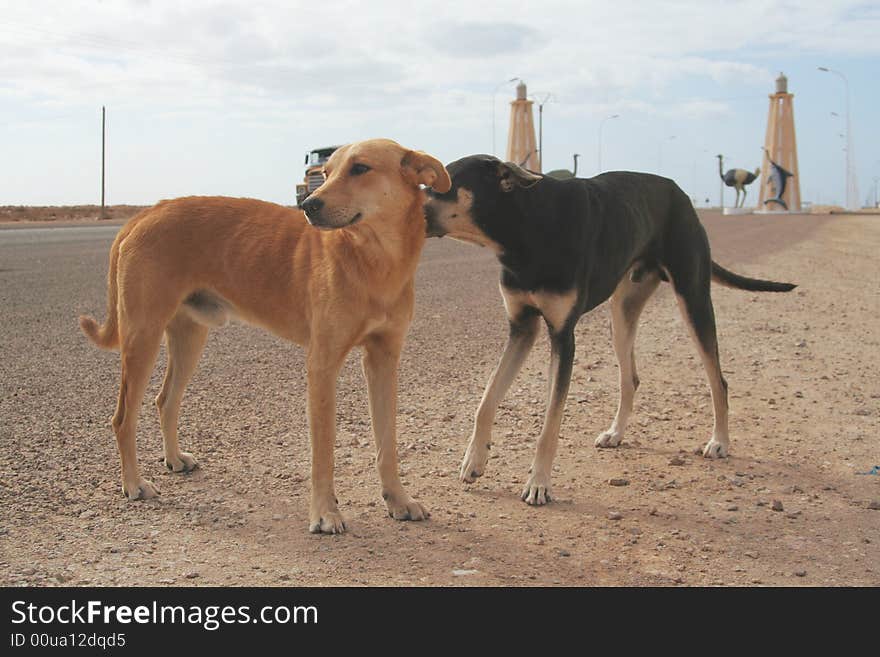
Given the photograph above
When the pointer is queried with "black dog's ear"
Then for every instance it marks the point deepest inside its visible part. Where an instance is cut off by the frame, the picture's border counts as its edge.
(511, 175)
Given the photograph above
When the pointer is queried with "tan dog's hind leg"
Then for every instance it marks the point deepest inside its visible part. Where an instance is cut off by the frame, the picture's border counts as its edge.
(380, 361)
(323, 369)
(626, 306)
(520, 340)
(138, 357)
(186, 340)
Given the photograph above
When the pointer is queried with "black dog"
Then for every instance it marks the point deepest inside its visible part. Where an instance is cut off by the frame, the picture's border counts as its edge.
(565, 247)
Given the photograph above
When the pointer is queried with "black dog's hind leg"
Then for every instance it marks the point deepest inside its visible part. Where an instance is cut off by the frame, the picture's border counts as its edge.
(627, 303)
(537, 489)
(521, 338)
(691, 280)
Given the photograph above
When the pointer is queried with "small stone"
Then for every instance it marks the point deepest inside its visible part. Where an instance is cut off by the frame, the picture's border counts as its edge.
(618, 481)
(801, 344)
(614, 515)
(800, 573)
(733, 507)
(676, 460)
(191, 575)
(564, 553)
(874, 505)
(776, 505)
(284, 578)
(461, 572)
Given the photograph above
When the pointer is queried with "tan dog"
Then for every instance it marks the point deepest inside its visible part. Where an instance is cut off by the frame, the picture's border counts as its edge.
(188, 265)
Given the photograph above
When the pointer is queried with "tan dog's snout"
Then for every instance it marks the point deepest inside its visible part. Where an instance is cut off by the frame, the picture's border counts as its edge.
(319, 216)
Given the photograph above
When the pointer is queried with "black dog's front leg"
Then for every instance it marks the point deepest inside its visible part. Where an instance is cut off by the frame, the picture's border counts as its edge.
(537, 490)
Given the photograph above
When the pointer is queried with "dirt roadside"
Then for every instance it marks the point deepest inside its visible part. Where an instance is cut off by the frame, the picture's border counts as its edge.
(804, 421)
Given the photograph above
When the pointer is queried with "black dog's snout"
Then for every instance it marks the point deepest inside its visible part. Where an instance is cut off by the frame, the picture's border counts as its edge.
(311, 206)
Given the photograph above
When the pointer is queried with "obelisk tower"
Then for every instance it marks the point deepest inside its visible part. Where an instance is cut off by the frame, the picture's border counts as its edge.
(781, 146)
(521, 146)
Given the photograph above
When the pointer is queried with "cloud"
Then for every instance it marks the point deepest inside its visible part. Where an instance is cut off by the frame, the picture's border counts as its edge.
(343, 69)
(466, 40)
(341, 54)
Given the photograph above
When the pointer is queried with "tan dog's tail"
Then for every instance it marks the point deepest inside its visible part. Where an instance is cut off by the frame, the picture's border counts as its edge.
(107, 336)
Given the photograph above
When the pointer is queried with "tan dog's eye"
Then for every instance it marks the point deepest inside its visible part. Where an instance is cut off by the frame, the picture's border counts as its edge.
(358, 169)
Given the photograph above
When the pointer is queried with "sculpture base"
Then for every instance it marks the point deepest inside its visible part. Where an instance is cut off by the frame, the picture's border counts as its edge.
(765, 211)
(736, 211)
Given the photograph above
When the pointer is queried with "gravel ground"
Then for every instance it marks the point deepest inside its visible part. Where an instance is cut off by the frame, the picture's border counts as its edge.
(787, 508)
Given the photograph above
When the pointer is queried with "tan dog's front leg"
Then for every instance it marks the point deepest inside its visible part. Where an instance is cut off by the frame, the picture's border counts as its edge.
(380, 361)
(324, 515)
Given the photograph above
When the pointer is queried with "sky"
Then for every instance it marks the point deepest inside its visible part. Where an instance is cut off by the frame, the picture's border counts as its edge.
(212, 97)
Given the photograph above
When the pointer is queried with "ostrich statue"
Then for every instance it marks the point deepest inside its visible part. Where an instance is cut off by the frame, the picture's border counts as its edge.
(738, 179)
(565, 174)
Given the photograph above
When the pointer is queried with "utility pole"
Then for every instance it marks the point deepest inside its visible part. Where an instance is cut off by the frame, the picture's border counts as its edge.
(541, 104)
(103, 149)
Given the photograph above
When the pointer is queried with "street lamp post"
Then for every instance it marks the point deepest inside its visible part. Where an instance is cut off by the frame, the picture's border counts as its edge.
(851, 189)
(495, 91)
(541, 104)
(601, 124)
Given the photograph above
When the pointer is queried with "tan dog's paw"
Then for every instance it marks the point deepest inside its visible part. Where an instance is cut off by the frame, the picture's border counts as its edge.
(474, 463)
(537, 490)
(142, 490)
(403, 507)
(183, 462)
(609, 438)
(327, 521)
(715, 449)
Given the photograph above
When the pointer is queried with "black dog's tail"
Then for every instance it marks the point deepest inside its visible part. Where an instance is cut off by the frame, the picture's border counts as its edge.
(729, 279)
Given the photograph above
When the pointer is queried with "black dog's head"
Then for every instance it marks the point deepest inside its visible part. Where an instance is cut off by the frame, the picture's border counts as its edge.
(482, 193)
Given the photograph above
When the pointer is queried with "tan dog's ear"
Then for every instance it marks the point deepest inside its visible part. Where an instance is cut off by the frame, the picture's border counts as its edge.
(511, 175)
(422, 169)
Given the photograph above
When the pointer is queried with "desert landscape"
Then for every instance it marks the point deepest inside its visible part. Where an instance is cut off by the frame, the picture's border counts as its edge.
(795, 503)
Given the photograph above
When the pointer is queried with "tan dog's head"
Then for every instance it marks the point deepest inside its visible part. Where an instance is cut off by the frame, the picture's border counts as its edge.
(368, 180)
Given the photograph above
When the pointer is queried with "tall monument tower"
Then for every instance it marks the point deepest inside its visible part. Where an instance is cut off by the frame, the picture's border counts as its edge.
(781, 146)
(521, 146)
